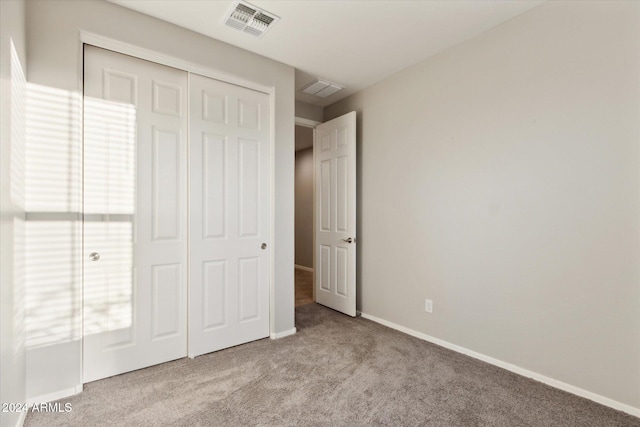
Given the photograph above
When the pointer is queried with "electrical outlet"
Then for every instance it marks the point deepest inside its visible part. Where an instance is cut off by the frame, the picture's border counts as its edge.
(428, 305)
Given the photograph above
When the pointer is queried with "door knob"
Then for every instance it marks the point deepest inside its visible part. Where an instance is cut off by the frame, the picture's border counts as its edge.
(263, 246)
(349, 240)
(94, 256)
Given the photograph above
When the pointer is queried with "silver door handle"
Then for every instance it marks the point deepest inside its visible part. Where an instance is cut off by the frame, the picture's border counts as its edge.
(349, 240)
(94, 256)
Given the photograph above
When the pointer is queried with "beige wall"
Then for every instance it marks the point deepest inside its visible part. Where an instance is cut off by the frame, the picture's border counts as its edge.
(54, 59)
(12, 209)
(308, 111)
(304, 206)
(304, 137)
(501, 179)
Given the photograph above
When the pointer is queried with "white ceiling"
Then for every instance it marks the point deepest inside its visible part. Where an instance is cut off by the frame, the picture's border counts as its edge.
(352, 43)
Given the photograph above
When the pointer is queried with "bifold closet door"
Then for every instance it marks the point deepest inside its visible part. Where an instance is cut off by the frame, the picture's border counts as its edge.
(135, 206)
(229, 211)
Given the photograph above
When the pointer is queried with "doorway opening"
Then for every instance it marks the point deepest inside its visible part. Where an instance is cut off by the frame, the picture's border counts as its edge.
(304, 196)
(325, 212)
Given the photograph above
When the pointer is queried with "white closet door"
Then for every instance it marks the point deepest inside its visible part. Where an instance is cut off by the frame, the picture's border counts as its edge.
(135, 180)
(229, 212)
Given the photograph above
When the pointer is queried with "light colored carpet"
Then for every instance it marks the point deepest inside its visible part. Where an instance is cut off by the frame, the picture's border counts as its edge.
(335, 371)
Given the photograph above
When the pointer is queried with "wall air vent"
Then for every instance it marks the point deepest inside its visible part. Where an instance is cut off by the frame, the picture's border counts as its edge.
(321, 88)
(252, 20)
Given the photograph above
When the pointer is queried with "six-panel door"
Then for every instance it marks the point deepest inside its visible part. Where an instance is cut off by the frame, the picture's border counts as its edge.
(334, 152)
(135, 214)
(229, 215)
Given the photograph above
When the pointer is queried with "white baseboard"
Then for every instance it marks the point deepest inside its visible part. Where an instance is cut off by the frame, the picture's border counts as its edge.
(23, 416)
(509, 367)
(276, 335)
(302, 267)
(50, 397)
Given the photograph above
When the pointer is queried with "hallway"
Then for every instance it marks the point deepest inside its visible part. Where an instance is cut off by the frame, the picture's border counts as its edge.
(304, 287)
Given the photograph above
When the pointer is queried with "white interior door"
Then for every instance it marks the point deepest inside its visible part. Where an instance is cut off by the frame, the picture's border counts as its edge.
(230, 211)
(135, 223)
(334, 152)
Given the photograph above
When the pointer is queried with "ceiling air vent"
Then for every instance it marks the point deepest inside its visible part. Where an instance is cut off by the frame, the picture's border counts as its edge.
(321, 88)
(249, 19)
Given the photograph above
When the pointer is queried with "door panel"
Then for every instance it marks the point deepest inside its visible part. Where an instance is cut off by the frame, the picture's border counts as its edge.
(229, 168)
(325, 268)
(214, 194)
(165, 300)
(342, 202)
(325, 196)
(249, 192)
(167, 99)
(335, 235)
(249, 281)
(135, 129)
(214, 288)
(166, 185)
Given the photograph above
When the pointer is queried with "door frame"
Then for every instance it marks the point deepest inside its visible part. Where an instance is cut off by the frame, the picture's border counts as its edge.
(118, 46)
(308, 123)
